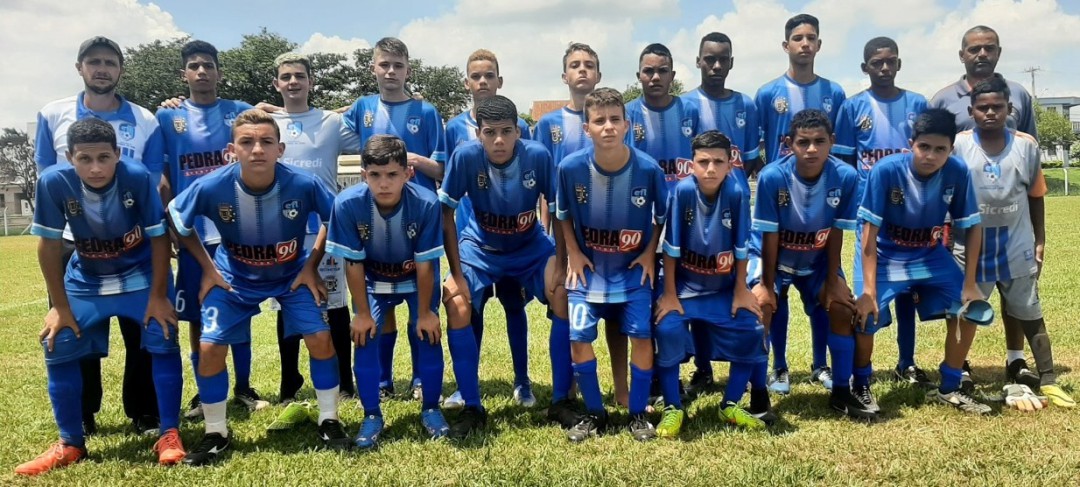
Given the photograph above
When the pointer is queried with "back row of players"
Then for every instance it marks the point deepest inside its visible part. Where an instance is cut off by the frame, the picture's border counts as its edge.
(615, 169)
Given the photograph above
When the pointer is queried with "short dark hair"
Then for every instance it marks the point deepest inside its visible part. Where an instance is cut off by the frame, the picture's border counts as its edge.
(198, 47)
(580, 46)
(993, 84)
(935, 121)
(90, 130)
(603, 97)
(712, 139)
(808, 119)
(384, 149)
(979, 29)
(876, 44)
(798, 20)
(658, 49)
(716, 37)
(392, 45)
(495, 109)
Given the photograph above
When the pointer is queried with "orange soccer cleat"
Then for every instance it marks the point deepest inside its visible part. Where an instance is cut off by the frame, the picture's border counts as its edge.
(58, 455)
(169, 448)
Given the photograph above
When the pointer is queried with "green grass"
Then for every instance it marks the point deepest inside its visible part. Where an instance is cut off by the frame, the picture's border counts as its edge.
(916, 444)
(1055, 182)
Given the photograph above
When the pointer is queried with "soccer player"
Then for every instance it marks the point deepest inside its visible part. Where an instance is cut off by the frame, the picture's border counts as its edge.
(196, 136)
(483, 81)
(261, 210)
(419, 124)
(505, 178)
(777, 102)
(120, 268)
(1009, 186)
(804, 204)
(390, 233)
(100, 63)
(902, 248)
(313, 140)
(705, 247)
(871, 125)
(735, 115)
(611, 206)
(661, 124)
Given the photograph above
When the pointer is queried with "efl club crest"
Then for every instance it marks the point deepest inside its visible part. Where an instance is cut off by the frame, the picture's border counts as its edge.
(780, 104)
(127, 131)
(826, 104)
(832, 197)
(413, 124)
(725, 218)
(529, 180)
(179, 124)
(556, 134)
(947, 196)
(866, 123)
(226, 213)
(291, 209)
(410, 230)
(74, 208)
(740, 119)
(991, 171)
(230, 118)
(128, 199)
(294, 129)
(482, 180)
(783, 198)
(639, 132)
(638, 196)
(364, 230)
(687, 127)
(896, 196)
(369, 119)
(581, 194)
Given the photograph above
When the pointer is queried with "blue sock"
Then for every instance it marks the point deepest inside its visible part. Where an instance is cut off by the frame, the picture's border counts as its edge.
(213, 389)
(562, 371)
(366, 368)
(414, 354)
(759, 376)
(517, 332)
(905, 330)
(640, 384)
(430, 371)
(65, 393)
(589, 386)
(702, 341)
(476, 321)
(386, 358)
(950, 378)
(669, 385)
(324, 373)
(738, 376)
(466, 360)
(241, 359)
(862, 375)
(819, 336)
(843, 359)
(778, 334)
(195, 362)
(169, 386)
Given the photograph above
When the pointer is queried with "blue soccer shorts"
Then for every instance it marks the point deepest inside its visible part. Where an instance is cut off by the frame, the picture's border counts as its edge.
(739, 338)
(226, 315)
(937, 295)
(188, 281)
(526, 266)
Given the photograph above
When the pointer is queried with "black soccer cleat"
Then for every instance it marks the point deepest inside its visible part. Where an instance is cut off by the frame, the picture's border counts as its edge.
(863, 394)
(563, 412)
(208, 450)
(471, 420)
(641, 429)
(1019, 373)
(333, 436)
(588, 425)
(842, 400)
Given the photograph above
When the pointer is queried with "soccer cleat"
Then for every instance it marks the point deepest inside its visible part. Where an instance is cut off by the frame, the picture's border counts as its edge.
(671, 423)
(523, 394)
(58, 455)
(333, 435)
(295, 414)
(169, 448)
(386, 393)
(641, 429)
(250, 399)
(564, 413)
(731, 413)
(587, 425)
(967, 384)
(434, 423)
(417, 390)
(146, 425)
(863, 394)
(470, 420)
(368, 436)
(960, 400)
(912, 375)
(194, 411)
(781, 382)
(208, 450)
(1057, 396)
(1018, 372)
(760, 407)
(700, 382)
(844, 401)
(823, 376)
(455, 401)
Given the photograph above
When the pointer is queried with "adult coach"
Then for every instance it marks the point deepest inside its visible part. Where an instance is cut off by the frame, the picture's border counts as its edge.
(100, 62)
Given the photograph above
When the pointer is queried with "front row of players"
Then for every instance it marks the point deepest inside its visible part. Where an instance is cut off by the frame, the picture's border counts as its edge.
(611, 203)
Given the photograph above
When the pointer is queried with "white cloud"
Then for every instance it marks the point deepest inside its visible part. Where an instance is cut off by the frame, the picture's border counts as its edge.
(42, 38)
(318, 42)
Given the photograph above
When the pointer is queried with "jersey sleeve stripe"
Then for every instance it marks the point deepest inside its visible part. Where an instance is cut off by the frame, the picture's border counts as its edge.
(46, 232)
(178, 222)
(844, 224)
(869, 216)
(341, 251)
(968, 221)
(156, 230)
(427, 255)
(447, 200)
(672, 250)
(764, 226)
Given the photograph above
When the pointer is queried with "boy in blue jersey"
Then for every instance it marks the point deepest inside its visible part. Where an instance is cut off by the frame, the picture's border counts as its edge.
(778, 101)
(902, 249)
(661, 124)
(611, 206)
(705, 242)
(804, 204)
(261, 209)
(873, 124)
(390, 232)
(196, 135)
(120, 268)
(1010, 187)
(505, 178)
(483, 81)
(419, 124)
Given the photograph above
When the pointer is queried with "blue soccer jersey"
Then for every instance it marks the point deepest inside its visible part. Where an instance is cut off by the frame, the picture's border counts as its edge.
(780, 99)
(503, 196)
(416, 122)
(389, 245)
(462, 129)
(196, 137)
(736, 117)
(870, 128)
(613, 216)
(804, 212)
(707, 237)
(910, 211)
(112, 227)
(562, 133)
(262, 235)
(665, 134)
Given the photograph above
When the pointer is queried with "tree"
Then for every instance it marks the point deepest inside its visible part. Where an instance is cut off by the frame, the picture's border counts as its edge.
(248, 70)
(441, 86)
(1054, 129)
(527, 118)
(17, 163)
(152, 73)
(633, 91)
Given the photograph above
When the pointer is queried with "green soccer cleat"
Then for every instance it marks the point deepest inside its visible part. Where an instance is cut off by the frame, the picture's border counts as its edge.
(671, 423)
(733, 414)
(295, 414)
(1057, 396)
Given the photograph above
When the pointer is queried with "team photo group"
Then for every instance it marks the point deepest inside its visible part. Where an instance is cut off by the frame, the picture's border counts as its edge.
(674, 225)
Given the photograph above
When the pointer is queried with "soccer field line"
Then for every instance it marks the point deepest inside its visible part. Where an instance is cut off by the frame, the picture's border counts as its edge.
(20, 305)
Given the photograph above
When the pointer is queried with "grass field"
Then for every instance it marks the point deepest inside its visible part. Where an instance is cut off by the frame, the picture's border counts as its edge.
(915, 444)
